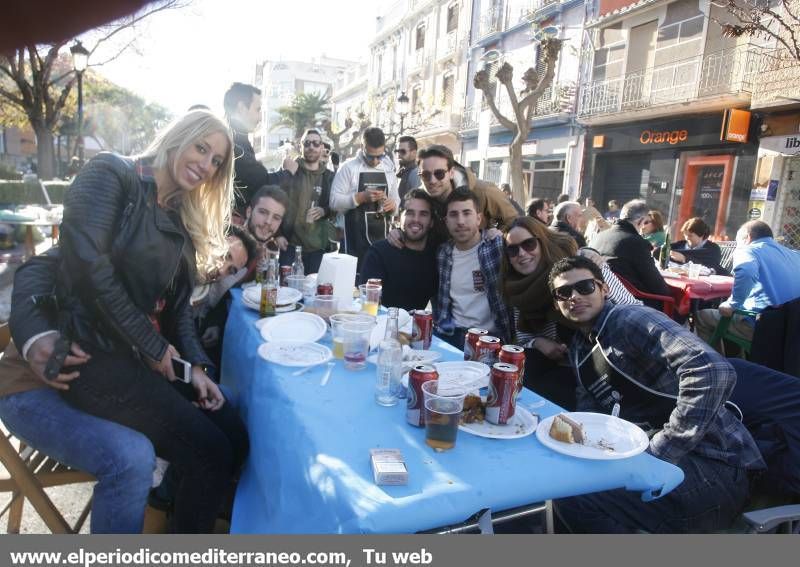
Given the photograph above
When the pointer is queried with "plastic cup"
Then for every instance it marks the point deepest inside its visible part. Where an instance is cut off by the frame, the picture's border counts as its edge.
(325, 306)
(442, 414)
(693, 270)
(370, 298)
(296, 282)
(355, 339)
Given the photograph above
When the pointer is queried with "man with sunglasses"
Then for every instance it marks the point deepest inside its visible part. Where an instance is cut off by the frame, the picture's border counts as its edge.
(243, 108)
(469, 293)
(408, 173)
(365, 190)
(307, 224)
(637, 362)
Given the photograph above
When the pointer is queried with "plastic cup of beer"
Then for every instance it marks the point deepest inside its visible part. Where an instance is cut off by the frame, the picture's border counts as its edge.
(370, 298)
(325, 306)
(355, 335)
(442, 414)
(296, 282)
(337, 321)
(693, 270)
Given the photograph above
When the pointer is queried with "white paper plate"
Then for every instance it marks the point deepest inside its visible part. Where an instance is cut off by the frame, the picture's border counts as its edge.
(404, 323)
(279, 309)
(522, 424)
(305, 327)
(468, 374)
(412, 357)
(607, 437)
(294, 353)
(286, 295)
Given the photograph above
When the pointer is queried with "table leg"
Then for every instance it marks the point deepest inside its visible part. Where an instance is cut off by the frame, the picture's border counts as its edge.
(30, 247)
(548, 517)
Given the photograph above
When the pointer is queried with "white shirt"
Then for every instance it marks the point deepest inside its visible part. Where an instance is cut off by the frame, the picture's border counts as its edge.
(468, 291)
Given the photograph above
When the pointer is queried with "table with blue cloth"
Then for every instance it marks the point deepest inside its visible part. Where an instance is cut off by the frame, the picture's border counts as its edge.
(309, 467)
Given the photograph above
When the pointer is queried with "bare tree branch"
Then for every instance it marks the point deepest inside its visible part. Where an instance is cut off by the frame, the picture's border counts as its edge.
(12, 98)
(550, 49)
(116, 55)
(131, 21)
(481, 82)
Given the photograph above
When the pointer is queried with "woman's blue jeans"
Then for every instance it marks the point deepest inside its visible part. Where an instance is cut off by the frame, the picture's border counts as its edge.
(120, 458)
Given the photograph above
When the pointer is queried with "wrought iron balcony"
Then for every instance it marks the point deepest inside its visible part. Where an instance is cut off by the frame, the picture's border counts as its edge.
(725, 72)
(469, 119)
(491, 21)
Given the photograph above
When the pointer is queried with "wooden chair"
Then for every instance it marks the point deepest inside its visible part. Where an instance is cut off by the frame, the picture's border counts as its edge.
(30, 472)
(667, 301)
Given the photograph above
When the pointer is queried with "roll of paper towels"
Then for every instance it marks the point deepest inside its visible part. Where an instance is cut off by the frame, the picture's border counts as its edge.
(339, 270)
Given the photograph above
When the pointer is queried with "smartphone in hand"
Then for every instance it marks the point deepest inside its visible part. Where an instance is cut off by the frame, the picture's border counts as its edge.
(182, 370)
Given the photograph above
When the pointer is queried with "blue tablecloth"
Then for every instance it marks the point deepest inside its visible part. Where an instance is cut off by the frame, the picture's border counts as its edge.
(309, 469)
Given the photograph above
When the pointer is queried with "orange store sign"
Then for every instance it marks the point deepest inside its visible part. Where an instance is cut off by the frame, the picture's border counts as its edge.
(670, 137)
(735, 125)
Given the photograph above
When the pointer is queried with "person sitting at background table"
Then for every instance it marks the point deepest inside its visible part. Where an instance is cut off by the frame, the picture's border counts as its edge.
(696, 247)
(653, 229)
(135, 233)
(664, 379)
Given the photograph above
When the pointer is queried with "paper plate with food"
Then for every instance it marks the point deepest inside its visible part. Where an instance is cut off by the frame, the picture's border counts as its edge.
(473, 420)
(592, 436)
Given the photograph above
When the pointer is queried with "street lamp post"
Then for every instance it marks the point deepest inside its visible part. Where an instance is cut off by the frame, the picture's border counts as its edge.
(80, 60)
(402, 108)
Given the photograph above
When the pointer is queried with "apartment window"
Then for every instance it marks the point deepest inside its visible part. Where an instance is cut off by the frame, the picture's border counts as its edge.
(379, 66)
(416, 98)
(420, 40)
(475, 166)
(448, 83)
(452, 18)
(394, 62)
(548, 178)
(680, 33)
(494, 168)
(608, 61)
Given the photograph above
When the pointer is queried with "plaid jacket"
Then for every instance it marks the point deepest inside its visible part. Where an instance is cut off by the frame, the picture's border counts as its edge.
(654, 350)
(490, 257)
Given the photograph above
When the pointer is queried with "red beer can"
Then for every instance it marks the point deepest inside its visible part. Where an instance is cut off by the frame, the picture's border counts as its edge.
(286, 271)
(513, 354)
(471, 342)
(487, 350)
(325, 289)
(422, 331)
(501, 401)
(415, 404)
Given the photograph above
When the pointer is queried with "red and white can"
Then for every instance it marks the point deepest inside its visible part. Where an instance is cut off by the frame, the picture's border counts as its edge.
(501, 401)
(471, 342)
(513, 354)
(422, 331)
(375, 281)
(286, 271)
(487, 350)
(415, 403)
(325, 289)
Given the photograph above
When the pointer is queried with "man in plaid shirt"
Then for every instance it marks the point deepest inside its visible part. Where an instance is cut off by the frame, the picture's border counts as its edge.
(469, 269)
(635, 361)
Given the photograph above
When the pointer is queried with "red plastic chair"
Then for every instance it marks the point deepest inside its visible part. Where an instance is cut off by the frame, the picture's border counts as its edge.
(667, 301)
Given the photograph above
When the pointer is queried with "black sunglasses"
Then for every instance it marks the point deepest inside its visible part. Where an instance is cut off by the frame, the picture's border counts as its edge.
(583, 287)
(400, 152)
(529, 245)
(373, 158)
(438, 174)
(309, 143)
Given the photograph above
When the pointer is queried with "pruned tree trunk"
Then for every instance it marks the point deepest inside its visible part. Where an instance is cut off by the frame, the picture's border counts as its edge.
(45, 154)
(523, 106)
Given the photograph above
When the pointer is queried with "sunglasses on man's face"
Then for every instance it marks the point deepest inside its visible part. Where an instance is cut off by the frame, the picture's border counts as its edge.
(438, 174)
(401, 152)
(309, 143)
(583, 287)
(529, 245)
(375, 158)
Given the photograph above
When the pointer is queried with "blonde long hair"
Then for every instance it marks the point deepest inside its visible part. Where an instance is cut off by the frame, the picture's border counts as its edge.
(205, 211)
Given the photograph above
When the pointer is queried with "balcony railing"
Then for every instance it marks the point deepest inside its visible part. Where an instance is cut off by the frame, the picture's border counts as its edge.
(491, 21)
(421, 60)
(534, 6)
(469, 119)
(449, 45)
(723, 72)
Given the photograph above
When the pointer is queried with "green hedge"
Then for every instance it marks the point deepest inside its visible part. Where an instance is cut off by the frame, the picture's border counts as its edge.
(19, 193)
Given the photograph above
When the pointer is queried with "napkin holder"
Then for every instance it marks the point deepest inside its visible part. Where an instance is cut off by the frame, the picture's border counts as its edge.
(339, 270)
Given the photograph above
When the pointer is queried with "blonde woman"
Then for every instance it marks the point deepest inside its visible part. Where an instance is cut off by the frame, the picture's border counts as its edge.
(136, 232)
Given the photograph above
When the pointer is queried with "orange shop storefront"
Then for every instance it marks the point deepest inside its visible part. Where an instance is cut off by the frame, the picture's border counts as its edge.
(700, 165)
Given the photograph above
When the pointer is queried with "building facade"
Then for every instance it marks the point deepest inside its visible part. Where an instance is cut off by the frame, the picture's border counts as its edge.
(662, 101)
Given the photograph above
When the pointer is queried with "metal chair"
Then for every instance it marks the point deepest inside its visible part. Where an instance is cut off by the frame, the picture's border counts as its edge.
(30, 472)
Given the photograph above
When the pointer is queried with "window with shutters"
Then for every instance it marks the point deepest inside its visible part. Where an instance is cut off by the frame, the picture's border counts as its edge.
(420, 40)
(448, 83)
(452, 18)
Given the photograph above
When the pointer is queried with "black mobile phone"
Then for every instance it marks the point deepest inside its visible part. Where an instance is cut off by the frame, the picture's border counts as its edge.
(56, 360)
(182, 369)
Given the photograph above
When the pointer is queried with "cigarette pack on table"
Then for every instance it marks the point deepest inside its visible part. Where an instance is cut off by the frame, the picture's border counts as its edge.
(388, 466)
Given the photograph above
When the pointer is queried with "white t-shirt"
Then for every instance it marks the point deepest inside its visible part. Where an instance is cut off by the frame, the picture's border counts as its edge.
(468, 291)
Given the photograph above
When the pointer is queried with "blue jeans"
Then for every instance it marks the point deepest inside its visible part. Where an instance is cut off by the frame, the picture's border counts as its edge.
(120, 458)
(710, 498)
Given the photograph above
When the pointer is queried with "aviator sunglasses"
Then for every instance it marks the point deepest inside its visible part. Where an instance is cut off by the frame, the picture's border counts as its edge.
(438, 174)
(309, 143)
(583, 287)
(529, 245)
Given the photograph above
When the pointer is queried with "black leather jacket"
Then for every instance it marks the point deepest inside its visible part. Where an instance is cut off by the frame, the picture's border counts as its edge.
(121, 254)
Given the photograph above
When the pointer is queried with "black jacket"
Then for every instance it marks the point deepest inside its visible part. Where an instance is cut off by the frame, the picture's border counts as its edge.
(33, 305)
(709, 255)
(121, 254)
(251, 175)
(564, 228)
(629, 255)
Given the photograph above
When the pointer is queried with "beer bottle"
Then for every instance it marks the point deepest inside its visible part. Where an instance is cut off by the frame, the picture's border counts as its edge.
(665, 249)
(269, 289)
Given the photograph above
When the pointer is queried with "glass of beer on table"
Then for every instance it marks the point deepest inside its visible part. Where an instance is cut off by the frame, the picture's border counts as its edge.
(443, 405)
(337, 321)
(370, 298)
